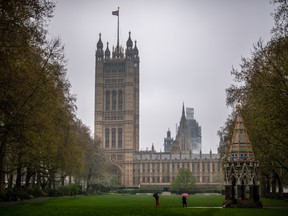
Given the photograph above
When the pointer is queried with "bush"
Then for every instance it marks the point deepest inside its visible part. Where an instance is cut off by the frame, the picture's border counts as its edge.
(16, 194)
(36, 192)
(68, 190)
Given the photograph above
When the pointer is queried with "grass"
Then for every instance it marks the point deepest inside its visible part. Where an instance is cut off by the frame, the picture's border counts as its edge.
(114, 205)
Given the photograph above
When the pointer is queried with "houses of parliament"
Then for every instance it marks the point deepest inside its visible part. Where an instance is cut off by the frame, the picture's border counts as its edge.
(117, 127)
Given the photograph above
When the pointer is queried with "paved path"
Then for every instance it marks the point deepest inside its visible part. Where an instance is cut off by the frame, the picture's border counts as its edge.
(34, 200)
(217, 207)
(42, 199)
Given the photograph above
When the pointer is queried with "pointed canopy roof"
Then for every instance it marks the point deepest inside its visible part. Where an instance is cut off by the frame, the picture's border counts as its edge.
(240, 147)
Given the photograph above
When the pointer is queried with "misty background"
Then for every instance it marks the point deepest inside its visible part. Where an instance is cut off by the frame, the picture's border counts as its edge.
(187, 49)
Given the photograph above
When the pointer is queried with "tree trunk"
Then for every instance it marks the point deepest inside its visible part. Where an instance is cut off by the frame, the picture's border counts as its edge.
(263, 185)
(2, 165)
(10, 180)
(33, 180)
(273, 184)
(268, 186)
(38, 185)
(29, 174)
(280, 186)
(88, 181)
(18, 176)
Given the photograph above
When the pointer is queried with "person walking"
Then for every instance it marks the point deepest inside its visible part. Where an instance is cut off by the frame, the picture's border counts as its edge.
(184, 201)
(156, 196)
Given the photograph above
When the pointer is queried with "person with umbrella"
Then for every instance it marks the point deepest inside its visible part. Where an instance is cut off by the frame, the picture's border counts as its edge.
(184, 199)
(156, 196)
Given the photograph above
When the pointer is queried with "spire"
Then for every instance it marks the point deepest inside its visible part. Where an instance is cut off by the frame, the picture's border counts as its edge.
(168, 133)
(99, 43)
(183, 110)
(99, 51)
(183, 117)
(129, 42)
(240, 146)
(129, 48)
(107, 52)
(135, 50)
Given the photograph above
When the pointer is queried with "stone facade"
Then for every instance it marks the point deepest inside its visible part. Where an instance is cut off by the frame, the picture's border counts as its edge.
(117, 105)
(117, 128)
(156, 169)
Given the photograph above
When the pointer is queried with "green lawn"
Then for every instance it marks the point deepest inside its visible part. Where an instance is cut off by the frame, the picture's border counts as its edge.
(112, 205)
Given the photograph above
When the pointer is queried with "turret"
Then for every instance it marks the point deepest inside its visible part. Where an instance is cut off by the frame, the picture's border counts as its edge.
(135, 51)
(99, 51)
(129, 47)
(107, 52)
(168, 133)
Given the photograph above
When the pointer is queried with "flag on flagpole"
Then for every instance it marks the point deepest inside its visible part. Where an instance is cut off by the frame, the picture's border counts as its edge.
(115, 13)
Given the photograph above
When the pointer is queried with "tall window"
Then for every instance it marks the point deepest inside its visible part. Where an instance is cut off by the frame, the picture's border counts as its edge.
(120, 100)
(113, 137)
(119, 137)
(107, 138)
(113, 100)
(107, 100)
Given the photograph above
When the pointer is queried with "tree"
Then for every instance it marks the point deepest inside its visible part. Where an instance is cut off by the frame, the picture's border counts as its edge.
(40, 136)
(262, 91)
(22, 37)
(184, 181)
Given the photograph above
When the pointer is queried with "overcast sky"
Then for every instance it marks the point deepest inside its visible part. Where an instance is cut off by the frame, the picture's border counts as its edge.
(187, 49)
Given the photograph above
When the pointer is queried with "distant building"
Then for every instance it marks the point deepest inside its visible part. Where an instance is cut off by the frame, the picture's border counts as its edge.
(117, 106)
(195, 130)
(168, 141)
(188, 134)
(117, 127)
(158, 169)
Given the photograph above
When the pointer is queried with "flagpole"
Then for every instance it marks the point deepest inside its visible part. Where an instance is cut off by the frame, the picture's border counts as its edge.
(118, 48)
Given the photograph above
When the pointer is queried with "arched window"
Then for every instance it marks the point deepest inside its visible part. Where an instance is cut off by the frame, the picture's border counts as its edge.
(113, 138)
(113, 100)
(120, 100)
(107, 138)
(107, 106)
(119, 137)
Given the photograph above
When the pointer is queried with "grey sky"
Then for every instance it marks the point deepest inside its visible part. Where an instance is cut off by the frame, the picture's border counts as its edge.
(187, 49)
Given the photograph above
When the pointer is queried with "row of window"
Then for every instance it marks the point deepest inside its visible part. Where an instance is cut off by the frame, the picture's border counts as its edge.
(114, 117)
(165, 179)
(242, 155)
(114, 67)
(113, 100)
(116, 157)
(113, 140)
(166, 167)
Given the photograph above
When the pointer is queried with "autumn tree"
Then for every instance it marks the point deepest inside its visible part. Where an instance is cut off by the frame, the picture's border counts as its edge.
(40, 135)
(21, 58)
(262, 90)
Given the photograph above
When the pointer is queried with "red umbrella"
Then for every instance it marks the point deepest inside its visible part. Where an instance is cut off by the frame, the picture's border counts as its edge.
(185, 194)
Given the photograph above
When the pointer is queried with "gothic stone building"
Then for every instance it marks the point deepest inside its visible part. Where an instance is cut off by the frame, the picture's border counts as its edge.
(117, 127)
